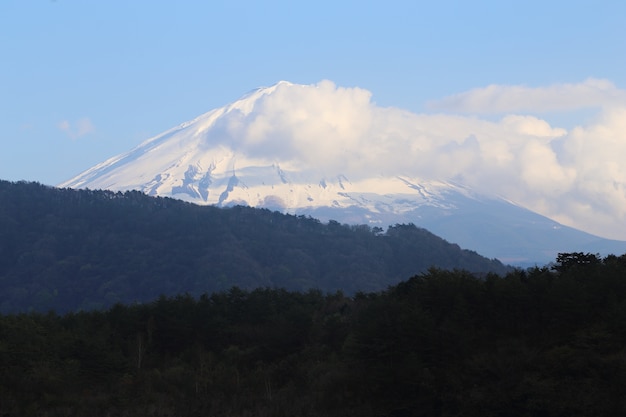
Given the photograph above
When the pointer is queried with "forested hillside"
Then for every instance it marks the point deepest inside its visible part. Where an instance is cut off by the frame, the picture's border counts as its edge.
(542, 342)
(66, 250)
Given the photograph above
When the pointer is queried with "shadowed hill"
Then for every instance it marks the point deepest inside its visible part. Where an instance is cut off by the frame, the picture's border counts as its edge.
(66, 249)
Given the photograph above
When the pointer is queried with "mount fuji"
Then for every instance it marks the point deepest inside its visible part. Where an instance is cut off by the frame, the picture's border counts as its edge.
(269, 149)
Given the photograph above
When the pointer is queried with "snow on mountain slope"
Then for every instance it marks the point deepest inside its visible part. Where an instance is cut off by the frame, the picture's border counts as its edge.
(192, 163)
(205, 161)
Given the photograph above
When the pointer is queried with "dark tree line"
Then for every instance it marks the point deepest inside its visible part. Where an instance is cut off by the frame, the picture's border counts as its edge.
(65, 250)
(547, 341)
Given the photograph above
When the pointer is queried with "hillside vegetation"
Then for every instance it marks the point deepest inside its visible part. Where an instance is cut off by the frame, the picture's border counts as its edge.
(65, 250)
(542, 342)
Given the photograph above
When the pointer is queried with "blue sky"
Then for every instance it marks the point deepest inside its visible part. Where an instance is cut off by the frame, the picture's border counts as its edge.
(82, 81)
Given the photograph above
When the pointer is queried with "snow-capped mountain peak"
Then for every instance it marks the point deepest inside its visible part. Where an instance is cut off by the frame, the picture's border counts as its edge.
(273, 149)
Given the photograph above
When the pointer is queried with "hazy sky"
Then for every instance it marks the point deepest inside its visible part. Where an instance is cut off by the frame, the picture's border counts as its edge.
(81, 81)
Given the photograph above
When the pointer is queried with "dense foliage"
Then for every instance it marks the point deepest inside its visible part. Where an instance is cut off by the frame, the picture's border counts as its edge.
(542, 342)
(66, 250)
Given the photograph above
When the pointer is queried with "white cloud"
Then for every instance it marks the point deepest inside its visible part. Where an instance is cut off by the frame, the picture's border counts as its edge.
(80, 128)
(64, 125)
(309, 123)
(577, 176)
(597, 198)
(558, 97)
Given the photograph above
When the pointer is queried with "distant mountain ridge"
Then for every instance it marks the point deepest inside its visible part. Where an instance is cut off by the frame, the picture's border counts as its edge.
(204, 161)
(65, 249)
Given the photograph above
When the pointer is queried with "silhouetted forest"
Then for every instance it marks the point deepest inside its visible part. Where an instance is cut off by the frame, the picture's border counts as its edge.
(65, 250)
(542, 342)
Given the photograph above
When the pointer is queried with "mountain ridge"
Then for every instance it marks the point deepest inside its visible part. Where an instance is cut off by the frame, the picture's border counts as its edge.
(66, 249)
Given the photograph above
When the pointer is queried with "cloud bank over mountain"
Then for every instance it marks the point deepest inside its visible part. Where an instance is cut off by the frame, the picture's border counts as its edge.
(574, 176)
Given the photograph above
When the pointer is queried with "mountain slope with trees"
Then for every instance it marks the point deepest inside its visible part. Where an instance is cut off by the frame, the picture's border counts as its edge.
(65, 250)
